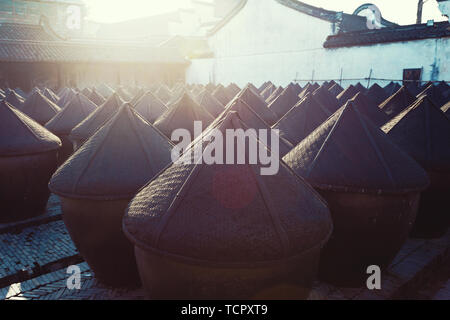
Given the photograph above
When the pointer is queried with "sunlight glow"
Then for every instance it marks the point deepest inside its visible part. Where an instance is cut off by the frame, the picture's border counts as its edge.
(120, 10)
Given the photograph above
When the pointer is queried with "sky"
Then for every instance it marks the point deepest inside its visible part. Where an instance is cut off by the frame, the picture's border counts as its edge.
(399, 11)
(120, 10)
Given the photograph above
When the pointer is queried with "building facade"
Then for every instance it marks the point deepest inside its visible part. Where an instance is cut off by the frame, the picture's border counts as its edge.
(288, 40)
(65, 16)
(32, 55)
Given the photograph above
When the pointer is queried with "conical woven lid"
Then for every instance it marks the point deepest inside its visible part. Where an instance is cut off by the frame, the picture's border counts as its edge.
(274, 94)
(252, 87)
(105, 90)
(369, 109)
(210, 87)
(444, 89)
(39, 108)
(227, 214)
(233, 89)
(164, 94)
(123, 94)
(61, 91)
(347, 94)
(284, 102)
(309, 88)
(221, 94)
(87, 92)
(182, 114)
(96, 97)
(347, 153)
(197, 90)
(335, 90)
(75, 111)
(16, 93)
(21, 135)
(361, 88)
(150, 107)
(177, 94)
(251, 118)
(423, 131)
(255, 101)
(302, 119)
(14, 99)
(116, 161)
(443, 86)
(413, 88)
(425, 85)
(327, 85)
(49, 94)
(138, 96)
(398, 102)
(65, 97)
(324, 97)
(377, 94)
(264, 86)
(446, 109)
(391, 88)
(22, 93)
(438, 95)
(267, 91)
(96, 119)
(211, 104)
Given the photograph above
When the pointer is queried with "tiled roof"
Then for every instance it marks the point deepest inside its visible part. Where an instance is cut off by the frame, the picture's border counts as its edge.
(15, 31)
(228, 17)
(22, 43)
(390, 34)
(310, 10)
(345, 22)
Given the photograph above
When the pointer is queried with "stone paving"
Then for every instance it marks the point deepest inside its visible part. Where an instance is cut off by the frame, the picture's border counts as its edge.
(32, 250)
(409, 272)
(410, 269)
(34, 247)
(53, 286)
(444, 292)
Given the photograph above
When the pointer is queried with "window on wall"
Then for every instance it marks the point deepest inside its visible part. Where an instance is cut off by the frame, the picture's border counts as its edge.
(410, 75)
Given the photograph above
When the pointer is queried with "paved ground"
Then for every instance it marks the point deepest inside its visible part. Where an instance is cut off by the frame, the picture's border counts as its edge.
(407, 277)
(444, 292)
(34, 247)
(419, 264)
(34, 256)
(53, 286)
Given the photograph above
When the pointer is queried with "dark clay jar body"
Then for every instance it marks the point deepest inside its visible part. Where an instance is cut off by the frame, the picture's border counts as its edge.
(369, 229)
(95, 227)
(24, 184)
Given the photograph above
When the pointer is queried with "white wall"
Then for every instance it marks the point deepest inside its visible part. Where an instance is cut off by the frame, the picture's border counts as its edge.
(262, 42)
(268, 41)
(388, 60)
(200, 71)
